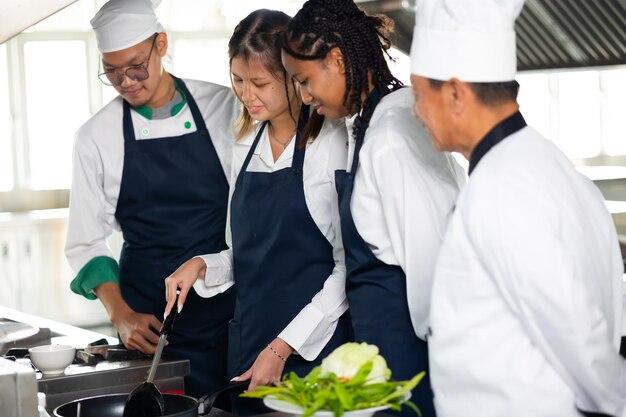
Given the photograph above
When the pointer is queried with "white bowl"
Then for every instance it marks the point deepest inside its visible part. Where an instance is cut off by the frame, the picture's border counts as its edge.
(52, 359)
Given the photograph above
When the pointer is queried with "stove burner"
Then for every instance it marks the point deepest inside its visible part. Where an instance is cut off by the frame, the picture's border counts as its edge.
(17, 353)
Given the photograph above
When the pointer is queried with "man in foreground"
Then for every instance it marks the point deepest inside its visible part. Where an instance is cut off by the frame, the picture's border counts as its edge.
(527, 297)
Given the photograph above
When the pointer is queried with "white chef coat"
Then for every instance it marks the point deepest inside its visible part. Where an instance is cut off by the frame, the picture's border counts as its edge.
(404, 191)
(98, 162)
(527, 298)
(313, 327)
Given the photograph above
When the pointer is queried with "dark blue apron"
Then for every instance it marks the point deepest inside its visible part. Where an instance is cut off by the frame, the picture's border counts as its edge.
(377, 297)
(281, 260)
(171, 207)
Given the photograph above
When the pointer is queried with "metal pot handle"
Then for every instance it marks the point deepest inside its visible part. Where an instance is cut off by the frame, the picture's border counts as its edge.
(205, 403)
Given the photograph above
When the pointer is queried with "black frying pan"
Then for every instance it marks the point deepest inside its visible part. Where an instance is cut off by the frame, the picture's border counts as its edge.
(112, 405)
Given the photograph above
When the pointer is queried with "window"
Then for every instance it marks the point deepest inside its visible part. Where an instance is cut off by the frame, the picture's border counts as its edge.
(400, 66)
(202, 59)
(57, 104)
(579, 132)
(6, 148)
(535, 101)
(614, 88)
(580, 110)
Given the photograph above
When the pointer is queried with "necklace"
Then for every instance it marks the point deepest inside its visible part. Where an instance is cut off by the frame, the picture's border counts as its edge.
(283, 144)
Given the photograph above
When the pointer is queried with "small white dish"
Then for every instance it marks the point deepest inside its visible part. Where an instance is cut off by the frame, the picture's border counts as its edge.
(287, 407)
(52, 359)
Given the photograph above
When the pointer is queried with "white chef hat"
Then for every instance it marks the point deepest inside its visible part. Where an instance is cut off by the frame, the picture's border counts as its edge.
(120, 24)
(472, 40)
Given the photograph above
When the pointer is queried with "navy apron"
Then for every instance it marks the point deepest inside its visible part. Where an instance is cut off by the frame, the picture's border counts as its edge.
(172, 206)
(377, 297)
(281, 260)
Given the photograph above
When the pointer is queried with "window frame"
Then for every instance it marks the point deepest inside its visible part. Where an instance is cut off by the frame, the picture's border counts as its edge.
(21, 197)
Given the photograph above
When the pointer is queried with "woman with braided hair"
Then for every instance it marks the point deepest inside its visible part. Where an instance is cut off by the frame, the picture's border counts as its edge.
(286, 257)
(395, 197)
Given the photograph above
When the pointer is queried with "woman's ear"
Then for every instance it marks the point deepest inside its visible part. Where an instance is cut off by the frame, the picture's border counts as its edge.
(335, 57)
(294, 88)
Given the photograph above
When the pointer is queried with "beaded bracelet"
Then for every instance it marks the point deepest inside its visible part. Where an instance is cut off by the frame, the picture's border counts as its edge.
(277, 354)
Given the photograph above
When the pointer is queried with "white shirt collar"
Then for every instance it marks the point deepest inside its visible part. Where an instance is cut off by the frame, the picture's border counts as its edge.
(264, 150)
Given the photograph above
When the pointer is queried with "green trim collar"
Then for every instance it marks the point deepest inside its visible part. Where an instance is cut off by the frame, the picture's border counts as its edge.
(146, 111)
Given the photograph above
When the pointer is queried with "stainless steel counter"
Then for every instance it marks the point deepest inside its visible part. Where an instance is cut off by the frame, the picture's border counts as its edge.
(50, 331)
(81, 380)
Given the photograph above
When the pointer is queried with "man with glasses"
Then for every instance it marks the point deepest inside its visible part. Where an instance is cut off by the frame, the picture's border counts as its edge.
(152, 163)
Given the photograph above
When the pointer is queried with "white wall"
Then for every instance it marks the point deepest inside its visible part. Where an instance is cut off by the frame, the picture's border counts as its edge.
(34, 275)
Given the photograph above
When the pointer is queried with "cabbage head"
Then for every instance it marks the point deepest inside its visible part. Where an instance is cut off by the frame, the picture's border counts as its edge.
(348, 358)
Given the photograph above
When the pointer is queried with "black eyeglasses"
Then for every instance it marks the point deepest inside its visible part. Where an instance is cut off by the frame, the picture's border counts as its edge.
(134, 72)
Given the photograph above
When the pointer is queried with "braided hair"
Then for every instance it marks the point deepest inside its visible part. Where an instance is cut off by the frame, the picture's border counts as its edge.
(257, 38)
(363, 41)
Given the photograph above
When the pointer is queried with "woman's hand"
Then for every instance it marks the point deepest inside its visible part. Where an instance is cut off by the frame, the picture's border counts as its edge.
(268, 367)
(183, 278)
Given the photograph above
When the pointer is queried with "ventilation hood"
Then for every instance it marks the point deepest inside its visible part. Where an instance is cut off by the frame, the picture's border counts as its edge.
(551, 34)
(18, 15)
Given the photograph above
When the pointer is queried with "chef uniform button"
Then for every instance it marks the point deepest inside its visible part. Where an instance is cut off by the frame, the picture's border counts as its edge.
(145, 131)
(187, 125)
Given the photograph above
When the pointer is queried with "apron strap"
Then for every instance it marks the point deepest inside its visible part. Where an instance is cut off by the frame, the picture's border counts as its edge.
(251, 152)
(193, 106)
(127, 124)
(298, 153)
(374, 98)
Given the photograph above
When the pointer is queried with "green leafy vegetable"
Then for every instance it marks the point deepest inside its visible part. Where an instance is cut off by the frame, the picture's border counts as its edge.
(325, 391)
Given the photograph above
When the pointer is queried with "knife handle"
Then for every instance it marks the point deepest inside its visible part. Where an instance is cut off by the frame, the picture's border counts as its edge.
(168, 323)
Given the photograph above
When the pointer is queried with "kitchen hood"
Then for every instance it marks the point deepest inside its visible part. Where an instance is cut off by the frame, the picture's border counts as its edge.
(17, 15)
(551, 34)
